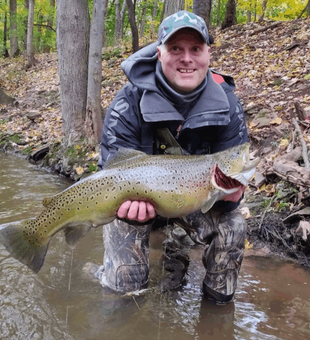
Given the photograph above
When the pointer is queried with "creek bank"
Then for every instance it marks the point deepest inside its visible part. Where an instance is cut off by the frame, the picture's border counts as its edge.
(272, 74)
(267, 234)
(75, 162)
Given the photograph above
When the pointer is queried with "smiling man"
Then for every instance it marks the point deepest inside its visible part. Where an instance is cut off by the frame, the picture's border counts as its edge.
(173, 103)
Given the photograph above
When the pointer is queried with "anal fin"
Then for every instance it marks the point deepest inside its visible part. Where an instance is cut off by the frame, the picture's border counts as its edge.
(73, 234)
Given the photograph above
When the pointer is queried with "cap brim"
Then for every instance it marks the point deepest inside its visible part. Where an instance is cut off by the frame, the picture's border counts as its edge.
(168, 36)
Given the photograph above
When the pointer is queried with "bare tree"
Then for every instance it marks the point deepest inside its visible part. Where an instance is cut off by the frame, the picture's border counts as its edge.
(218, 12)
(73, 48)
(117, 28)
(123, 11)
(14, 50)
(5, 30)
(142, 21)
(50, 24)
(133, 26)
(306, 8)
(203, 9)
(172, 6)
(154, 15)
(93, 121)
(230, 16)
(30, 52)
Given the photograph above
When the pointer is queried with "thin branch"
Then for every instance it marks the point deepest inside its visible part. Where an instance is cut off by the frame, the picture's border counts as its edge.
(303, 144)
(266, 28)
(47, 26)
(308, 4)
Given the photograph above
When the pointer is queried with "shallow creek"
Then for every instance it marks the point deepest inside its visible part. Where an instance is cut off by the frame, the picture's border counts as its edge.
(63, 302)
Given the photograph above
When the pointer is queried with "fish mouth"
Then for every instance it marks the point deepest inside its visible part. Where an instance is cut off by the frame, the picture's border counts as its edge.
(226, 183)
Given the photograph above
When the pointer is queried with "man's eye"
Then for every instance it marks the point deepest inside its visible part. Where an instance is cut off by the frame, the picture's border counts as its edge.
(196, 49)
(175, 48)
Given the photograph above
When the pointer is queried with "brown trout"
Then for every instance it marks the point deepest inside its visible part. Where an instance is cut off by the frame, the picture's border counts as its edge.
(176, 186)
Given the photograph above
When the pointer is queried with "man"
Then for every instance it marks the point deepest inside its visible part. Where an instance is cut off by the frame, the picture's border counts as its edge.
(172, 90)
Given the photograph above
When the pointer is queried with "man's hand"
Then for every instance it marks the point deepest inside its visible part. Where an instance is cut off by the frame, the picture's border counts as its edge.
(235, 197)
(137, 211)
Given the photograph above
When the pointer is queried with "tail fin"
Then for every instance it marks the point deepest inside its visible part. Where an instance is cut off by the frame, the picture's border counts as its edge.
(11, 236)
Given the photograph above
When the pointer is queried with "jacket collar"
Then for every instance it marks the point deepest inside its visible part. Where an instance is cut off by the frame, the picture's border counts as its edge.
(212, 108)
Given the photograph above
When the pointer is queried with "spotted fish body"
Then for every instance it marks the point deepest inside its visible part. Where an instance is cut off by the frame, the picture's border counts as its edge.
(175, 185)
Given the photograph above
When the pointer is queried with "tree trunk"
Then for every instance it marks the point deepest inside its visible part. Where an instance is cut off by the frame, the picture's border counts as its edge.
(248, 15)
(117, 32)
(73, 48)
(5, 32)
(133, 25)
(172, 6)
(13, 30)
(264, 6)
(230, 16)
(218, 13)
(93, 122)
(203, 9)
(153, 23)
(50, 23)
(30, 52)
(104, 29)
(142, 22)
(123, 11)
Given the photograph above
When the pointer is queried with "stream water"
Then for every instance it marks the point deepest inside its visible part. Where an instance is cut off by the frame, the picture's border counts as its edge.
(63, 302)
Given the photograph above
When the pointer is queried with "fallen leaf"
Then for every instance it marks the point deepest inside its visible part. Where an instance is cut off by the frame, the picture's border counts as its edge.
(245, 212)
(277, 121)
(248, 245)
(79, 170)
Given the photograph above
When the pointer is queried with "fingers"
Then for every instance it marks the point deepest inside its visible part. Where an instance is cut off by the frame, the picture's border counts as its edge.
(123, 209)
(137, 211)
(150, 210)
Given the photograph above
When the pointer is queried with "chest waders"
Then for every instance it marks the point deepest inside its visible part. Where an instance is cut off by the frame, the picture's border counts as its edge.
(126, 246)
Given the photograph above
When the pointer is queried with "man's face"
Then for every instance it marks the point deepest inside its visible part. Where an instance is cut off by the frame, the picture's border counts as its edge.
(185, 59)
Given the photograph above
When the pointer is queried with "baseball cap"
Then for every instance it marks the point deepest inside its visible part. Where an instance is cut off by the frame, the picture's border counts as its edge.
(179, 20)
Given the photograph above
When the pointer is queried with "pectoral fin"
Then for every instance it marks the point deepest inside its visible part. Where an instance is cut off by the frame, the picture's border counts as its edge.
(209, 204)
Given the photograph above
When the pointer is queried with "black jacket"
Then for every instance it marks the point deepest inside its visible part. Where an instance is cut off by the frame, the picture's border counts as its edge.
(214, 123)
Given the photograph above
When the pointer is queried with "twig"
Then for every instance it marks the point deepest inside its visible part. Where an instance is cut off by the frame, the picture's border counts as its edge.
(303, 144)
(300, 15)
(300, 112)
(265, 28)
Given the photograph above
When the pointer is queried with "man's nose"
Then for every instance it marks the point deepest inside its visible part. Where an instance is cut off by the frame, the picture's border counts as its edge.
(186, 56)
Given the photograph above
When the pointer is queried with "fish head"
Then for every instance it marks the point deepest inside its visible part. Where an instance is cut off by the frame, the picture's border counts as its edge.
(233, 168)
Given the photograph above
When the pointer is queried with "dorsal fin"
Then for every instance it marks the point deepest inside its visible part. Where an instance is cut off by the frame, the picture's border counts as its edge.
(121, 156)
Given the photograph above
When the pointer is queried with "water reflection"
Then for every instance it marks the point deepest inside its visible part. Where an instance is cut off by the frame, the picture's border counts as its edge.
(64, 302)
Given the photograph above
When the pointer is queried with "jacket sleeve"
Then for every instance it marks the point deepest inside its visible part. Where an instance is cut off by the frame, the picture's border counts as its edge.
(122, 124)
(235, 133)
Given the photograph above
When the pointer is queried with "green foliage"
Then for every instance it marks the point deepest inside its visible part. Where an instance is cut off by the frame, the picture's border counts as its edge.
(44, 36)
(92, 167)
(275, 10)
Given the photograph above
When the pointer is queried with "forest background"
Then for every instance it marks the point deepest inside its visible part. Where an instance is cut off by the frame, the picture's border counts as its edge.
(60, 70)
(79, 29)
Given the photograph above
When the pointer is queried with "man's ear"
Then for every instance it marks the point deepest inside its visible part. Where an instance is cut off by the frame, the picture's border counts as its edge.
(158, 53)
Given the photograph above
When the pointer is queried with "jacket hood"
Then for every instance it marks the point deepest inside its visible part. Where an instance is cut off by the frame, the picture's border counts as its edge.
(140, 67)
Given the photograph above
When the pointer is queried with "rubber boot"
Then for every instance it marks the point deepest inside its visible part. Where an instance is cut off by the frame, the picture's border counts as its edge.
(126, 256)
